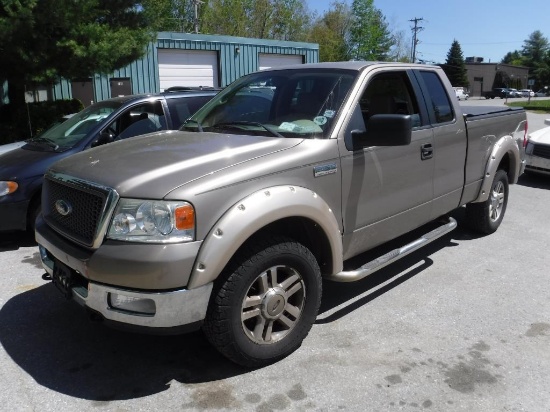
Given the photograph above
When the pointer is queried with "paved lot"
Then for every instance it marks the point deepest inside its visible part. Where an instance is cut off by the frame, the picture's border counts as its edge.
(462, 325)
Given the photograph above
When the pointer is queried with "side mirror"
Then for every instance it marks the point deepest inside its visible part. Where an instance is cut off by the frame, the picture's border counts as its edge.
(384, 130)
(104, 137)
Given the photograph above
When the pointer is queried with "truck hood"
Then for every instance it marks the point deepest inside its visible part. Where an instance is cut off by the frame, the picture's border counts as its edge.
(153, 165)
(541, 136)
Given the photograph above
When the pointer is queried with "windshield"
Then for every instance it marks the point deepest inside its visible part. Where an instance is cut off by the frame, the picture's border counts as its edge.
(73, 130)
(284, 103)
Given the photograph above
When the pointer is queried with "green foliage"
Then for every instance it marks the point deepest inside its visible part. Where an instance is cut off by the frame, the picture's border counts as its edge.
(43, 40)
(369, 35)
(41, 115)
(331, 32)
(534, 104)
(455, 66)
(263, 19)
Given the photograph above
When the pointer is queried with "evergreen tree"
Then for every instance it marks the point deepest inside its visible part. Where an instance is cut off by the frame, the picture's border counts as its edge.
(455, 67)
(42, 40)
(369, 35)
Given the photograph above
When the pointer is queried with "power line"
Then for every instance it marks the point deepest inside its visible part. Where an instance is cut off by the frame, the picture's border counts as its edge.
(416, 29)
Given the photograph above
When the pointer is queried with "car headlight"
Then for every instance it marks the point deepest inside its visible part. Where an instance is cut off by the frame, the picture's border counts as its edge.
(529, 148)
(8, 187)
(155, 221)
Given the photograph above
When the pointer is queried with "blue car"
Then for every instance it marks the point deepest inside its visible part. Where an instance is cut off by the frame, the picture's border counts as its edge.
(22, 169)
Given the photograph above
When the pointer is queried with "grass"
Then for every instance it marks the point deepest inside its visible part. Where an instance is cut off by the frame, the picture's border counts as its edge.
(535, 104)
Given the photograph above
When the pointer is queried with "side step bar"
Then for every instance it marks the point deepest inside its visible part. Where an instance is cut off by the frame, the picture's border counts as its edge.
(396, 254)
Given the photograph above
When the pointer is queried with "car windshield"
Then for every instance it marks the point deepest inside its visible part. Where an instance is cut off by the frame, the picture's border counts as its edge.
(280, 103)
(72, 131)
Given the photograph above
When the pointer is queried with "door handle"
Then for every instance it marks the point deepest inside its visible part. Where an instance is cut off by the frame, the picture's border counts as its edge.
(426, 151)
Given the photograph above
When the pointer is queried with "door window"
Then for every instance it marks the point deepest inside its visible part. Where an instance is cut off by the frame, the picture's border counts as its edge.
(138, 120)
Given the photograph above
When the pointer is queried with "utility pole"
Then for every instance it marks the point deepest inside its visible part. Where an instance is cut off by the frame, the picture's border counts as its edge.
(196, 21)
(416, 29)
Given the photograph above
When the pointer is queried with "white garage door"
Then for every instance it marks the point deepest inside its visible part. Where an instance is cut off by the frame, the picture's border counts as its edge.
(275, 60)
(187, 68)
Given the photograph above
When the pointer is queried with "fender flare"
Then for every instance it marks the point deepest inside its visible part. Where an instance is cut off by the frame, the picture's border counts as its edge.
(254, 212)
(506, 144)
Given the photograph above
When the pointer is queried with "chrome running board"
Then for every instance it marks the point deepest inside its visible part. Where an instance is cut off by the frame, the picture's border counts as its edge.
(396, 254)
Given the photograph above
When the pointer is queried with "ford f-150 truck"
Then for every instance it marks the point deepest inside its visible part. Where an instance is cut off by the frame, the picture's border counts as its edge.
(232, 222)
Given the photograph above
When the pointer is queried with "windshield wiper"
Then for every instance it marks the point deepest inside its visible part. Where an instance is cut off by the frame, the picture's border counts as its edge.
(49, 142)
(199, 126)
(246, 123)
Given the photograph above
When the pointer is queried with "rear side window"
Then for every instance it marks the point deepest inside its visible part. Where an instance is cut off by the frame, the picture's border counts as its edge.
(441, 105)
(182, 109)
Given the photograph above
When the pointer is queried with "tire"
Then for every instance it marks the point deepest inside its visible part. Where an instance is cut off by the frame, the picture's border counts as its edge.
(264, 304)
(486, 217)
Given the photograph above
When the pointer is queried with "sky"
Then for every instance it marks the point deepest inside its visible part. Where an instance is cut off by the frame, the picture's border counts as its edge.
(483, 28)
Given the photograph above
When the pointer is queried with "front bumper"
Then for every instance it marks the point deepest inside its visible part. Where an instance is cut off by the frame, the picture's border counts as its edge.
(13, 216)
(537, 164)
(154, 310)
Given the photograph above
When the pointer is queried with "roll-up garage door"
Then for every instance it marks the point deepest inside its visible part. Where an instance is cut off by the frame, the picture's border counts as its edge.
(275, 60)
(188, 68)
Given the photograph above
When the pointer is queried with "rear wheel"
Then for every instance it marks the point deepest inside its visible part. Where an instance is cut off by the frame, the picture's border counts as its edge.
(486, 217)
(265, 303)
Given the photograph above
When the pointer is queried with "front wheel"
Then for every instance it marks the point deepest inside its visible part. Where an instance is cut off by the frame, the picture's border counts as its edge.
(265, 303)
(486, 217)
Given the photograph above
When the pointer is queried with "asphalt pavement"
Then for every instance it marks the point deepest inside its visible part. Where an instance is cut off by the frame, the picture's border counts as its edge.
(460, 325)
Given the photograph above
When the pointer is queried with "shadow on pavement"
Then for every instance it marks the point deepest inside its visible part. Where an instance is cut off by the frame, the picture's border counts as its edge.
(537, 181)
(52, 340)
(340, 299)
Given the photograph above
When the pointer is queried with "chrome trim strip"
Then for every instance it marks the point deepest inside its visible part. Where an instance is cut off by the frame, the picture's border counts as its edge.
(396, 254)
(110, 204)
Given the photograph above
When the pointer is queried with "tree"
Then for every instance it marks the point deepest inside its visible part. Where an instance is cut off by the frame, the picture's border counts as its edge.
(370, 36)
(263, 19)
(455, 67)
(514, 58)
(170, 15)
(332, 32)
(42, 40)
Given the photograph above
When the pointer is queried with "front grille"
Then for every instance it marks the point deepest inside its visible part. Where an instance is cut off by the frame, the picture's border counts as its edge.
(541, 150)
(74, 208)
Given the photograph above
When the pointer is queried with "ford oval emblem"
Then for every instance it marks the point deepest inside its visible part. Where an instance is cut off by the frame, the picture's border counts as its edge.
(63, 207)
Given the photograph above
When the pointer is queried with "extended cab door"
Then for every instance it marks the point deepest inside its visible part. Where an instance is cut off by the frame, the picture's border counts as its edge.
(450, 140)
(386, 191)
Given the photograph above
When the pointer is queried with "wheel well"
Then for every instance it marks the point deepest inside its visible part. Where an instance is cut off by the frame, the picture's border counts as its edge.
(306, 232)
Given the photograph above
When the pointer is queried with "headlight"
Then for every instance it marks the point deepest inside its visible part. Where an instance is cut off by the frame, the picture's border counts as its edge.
(7, 187)
(155, 221)
(529, 148)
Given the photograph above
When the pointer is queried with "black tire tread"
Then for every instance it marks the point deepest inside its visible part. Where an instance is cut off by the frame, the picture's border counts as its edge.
(217, 323)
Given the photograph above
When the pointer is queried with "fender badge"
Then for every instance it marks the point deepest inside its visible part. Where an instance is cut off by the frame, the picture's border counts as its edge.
(63, 207)
(323, 170)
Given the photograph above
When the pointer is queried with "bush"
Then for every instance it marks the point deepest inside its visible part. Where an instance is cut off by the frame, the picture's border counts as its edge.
(41, 115)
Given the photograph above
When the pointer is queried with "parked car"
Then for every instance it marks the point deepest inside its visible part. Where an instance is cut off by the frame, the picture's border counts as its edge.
(461, 94)
(231, 222)
(537, 152)
(514, 93)
(10, 146)
(542, 92)
(527, 93)
(500, 92)
(22, 169)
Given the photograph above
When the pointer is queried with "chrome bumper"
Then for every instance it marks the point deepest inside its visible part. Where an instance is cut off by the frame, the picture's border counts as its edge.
(143, 309)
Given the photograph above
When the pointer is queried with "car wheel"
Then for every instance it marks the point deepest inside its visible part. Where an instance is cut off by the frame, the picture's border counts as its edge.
(264, 304)
(485, 217)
